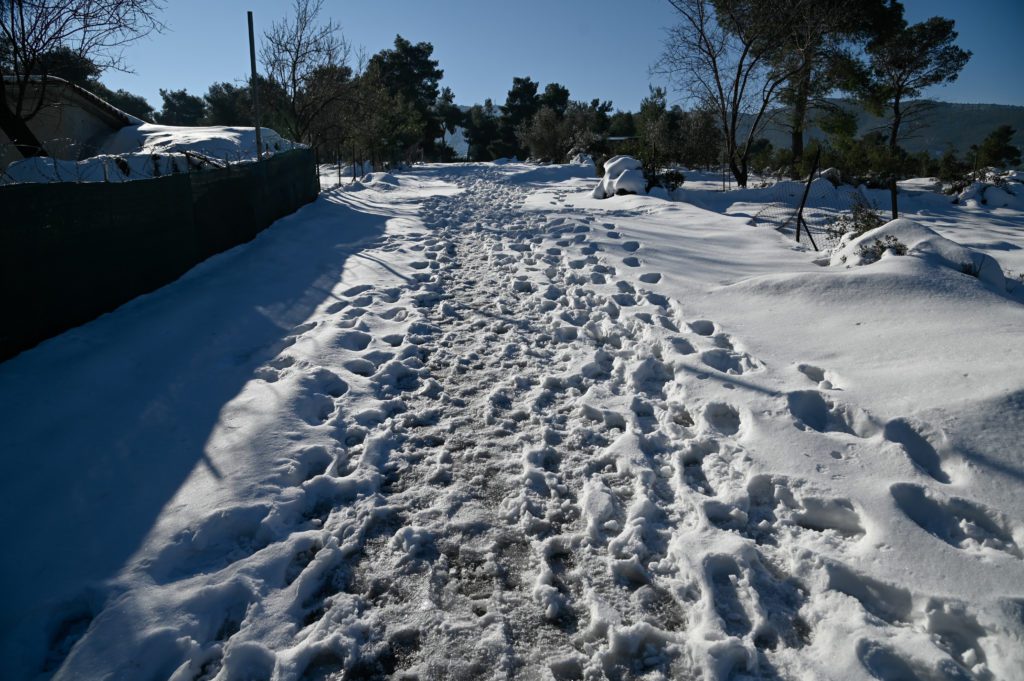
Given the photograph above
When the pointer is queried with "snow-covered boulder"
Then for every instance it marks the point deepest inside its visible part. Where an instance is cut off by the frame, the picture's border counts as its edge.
(621, 174)
(908, 238)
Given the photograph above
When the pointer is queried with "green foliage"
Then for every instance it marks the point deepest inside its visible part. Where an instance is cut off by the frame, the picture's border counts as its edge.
(545, 136)
(660, 132)
(555, 97)
(409, 73)
(481, 127)
(873, 252)
(996, 150)
(862, 218)
(180, 108)
(227, 104)
(622, 124)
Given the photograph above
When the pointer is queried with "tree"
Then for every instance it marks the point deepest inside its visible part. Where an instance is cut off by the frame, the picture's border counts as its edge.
(228, 104)
(555, 97)
(818, 33)
(586, 126)
(702, 138)
(898, 68)
(660, 132)
(721, 55)
(32, 29)
(180, 108)
(545, 136)
(482, 131)
(521, 105)
(135, 105)
(449, 115)
(307, 60)
(996, 150)
(622, 124)
(412, 79)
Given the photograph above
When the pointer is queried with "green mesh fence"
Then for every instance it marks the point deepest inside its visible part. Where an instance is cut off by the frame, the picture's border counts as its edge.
(71, 251)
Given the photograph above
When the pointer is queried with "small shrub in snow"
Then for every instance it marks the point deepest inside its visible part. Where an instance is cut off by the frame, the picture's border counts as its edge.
(861, 219)
(671, 180)
(873, 252)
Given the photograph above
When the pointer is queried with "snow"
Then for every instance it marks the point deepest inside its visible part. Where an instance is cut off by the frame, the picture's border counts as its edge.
(221, 142)
(621, 174)
(919, 242)
(469, 421)
(144, 151)
(105, 168)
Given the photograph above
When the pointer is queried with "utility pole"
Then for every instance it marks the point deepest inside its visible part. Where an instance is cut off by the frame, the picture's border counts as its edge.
(254, 86)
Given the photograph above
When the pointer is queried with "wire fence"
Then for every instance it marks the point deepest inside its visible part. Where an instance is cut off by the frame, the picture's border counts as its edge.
(813, 211)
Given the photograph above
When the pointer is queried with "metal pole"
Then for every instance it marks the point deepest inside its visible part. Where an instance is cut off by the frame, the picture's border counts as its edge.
(255, 93)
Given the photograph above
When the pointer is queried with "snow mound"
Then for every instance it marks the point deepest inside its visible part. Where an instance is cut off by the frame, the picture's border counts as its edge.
(918, 241)
(622, 174)
(221, 142)
(582, 159)
(358, 170)
(383, 180)
(106, 168)
(979, 194)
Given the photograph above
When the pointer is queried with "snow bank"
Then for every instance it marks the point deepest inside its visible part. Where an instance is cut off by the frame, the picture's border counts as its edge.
(918, 241)
(381, 180)
(222, 142)
(622, 174)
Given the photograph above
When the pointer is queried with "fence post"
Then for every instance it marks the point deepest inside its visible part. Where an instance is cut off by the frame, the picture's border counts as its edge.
(255, 91)
(803, 201)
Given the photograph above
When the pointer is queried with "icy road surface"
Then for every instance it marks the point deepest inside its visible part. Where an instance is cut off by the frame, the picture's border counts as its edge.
(464, 424)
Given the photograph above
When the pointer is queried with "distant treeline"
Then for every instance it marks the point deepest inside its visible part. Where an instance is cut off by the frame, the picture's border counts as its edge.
(748, 70)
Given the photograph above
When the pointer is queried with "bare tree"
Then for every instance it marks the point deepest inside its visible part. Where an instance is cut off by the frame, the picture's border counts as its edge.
(723, 55)
(32, 29)
(308, 59)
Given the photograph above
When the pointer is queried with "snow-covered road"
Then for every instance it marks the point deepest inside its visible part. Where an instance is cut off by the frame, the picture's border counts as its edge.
(496, 442)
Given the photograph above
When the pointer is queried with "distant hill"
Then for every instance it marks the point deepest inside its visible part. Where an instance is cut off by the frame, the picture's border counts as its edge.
(945, 125)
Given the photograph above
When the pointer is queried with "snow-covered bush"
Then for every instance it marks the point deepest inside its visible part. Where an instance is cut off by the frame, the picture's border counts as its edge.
(989, 187)
(622, 175)
(906, 237)
(870, 253)
(861, 218)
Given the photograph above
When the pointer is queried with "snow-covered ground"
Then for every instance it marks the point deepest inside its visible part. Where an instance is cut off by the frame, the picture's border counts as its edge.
(470, 422)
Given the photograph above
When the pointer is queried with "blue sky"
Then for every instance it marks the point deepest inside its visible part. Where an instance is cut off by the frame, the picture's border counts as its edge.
(592, 46)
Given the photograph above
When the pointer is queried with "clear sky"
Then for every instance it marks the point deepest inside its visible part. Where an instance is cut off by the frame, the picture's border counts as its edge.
(597, 48)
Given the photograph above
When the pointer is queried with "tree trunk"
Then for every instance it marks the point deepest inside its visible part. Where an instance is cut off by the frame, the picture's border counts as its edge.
(17, 130)
(892, 193)
(799, 117)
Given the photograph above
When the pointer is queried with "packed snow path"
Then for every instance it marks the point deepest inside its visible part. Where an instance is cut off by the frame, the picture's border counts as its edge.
(527, 461)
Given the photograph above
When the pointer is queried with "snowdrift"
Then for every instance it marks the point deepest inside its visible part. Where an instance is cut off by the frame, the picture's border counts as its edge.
(905, 237)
